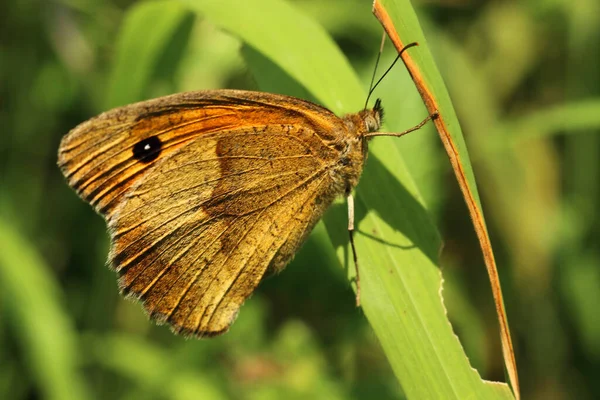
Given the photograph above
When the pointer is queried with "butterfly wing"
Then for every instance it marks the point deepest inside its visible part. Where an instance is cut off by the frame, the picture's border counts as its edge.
(232, 191)
(196, 236)
(99, 158)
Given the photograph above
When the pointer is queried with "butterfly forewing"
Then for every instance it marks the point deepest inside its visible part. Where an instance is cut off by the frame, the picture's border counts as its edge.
(103, 157)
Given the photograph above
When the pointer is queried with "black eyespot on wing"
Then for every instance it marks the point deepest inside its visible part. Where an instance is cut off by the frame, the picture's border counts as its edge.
(148, 149)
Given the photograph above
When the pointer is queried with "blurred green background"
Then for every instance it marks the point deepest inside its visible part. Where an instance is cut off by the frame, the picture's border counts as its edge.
(525, 80)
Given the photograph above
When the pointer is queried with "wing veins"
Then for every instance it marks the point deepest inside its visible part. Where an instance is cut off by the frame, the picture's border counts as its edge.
(130, 126)
(227, 195)
(160, 239)
(233, 248)
(261, 210)
(177, 257)
(75, 169)
(254, 252)
(195, 277)
(169, 143)
(98, 194)
(159, 198)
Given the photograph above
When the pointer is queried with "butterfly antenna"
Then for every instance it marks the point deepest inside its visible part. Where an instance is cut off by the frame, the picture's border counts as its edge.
(372, 89)
(375, 69)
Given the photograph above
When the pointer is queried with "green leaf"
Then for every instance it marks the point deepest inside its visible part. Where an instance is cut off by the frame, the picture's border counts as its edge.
(265, 25)
(405, 21)
(397, 242)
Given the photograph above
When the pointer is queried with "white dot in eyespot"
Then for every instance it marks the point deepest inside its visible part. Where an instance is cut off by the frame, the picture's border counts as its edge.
(148, 149)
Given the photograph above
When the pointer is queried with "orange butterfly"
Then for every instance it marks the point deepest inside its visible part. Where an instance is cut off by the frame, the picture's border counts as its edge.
(205, 193)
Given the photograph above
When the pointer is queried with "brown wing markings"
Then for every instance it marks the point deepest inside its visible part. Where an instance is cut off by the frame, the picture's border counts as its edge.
(122, 266)
(157, 199)
(244, 133)
(101, 175)
(223, 176)
(233, 248)
(97, 194)
(197, 162)
(102, 189)
(117, 234)
(176, 281)
(276, 200)
(317, 117)
(104, 128)
(224, 196)
(191, 282)
(122, 183)
(143, 293)
(236, 99)
(64, 148)
(147, 251)
(130, 126)
(194, 279)
(208, 99)
(219, 158)
(192, 229)
(320, 120)
(307, 138)
(230, 101)
(127, 188)
(116, 168)
(180, 255)
(123, 260)
(118, 259)
(308, 198)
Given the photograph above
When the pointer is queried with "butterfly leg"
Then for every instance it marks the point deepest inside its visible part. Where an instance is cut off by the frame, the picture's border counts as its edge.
(350, 201)
(430, 117)
(434, 115)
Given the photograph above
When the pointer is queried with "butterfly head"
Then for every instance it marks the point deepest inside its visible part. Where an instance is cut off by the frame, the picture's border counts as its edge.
(372, 119)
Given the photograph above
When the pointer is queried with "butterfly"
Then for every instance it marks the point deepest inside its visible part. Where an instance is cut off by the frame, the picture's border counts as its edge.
(205, 193)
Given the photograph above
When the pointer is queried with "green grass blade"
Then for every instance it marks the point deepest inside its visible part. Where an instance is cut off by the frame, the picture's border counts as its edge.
(156, 370)
(152, 33)
(402, 19)
(265, 25)
(398, 246)
(569, 117)
(48, 339)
